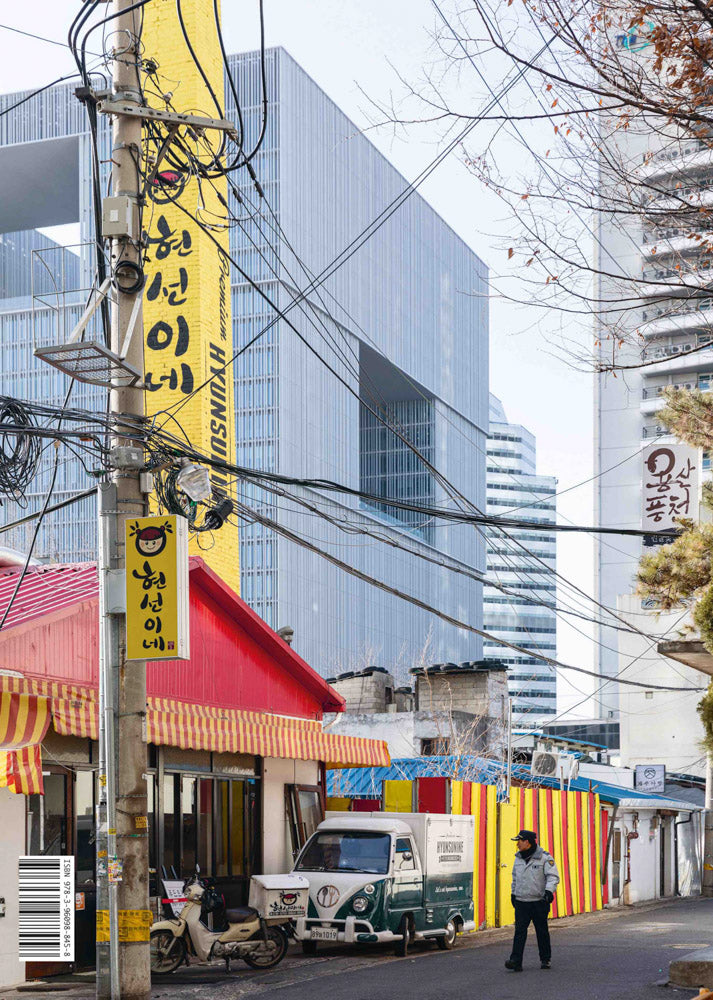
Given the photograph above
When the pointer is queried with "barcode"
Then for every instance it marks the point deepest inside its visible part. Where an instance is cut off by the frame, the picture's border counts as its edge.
(46, 909)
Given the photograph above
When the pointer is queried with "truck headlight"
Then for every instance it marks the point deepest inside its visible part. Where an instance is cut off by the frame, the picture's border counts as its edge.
(360, 904)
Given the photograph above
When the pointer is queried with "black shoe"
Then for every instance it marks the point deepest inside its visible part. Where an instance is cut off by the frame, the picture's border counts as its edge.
(546, 965)
(513, 966)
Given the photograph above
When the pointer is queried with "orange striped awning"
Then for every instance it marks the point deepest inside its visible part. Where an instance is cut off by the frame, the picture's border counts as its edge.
(21, 771)
(75, 712)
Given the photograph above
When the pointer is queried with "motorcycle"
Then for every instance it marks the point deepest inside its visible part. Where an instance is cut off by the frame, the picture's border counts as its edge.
(260, 941)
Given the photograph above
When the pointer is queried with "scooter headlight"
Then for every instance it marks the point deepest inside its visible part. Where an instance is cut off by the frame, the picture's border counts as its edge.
(370, 889)
(360, 904)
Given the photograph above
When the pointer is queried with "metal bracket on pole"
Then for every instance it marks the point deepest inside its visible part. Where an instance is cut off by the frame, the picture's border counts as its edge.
(98, 297)
(197, 122)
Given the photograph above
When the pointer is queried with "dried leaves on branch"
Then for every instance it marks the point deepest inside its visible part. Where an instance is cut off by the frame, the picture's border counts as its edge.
(580, 110)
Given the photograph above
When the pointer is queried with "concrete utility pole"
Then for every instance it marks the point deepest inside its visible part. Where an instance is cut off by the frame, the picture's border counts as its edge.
(123, 967)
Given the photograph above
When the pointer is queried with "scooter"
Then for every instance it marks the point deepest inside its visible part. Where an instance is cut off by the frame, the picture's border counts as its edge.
(260, 941)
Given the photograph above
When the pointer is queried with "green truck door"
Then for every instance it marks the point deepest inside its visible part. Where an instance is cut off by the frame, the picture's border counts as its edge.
(407, 891)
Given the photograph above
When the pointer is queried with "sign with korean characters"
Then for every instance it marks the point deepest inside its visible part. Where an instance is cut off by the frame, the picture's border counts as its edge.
(650, 777)
(188, 330)
(670, 487)
(157, 626)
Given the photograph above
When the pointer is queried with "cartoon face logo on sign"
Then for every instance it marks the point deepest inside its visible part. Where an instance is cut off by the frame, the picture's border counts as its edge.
(328, 895)
(151, 540)
(288, 898)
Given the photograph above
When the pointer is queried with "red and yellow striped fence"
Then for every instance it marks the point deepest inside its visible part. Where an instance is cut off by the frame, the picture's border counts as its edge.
(568, 825)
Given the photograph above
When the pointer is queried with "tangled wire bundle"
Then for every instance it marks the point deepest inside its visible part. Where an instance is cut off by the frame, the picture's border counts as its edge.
(19, 453)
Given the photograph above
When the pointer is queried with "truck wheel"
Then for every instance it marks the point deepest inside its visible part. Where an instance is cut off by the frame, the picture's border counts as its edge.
(309, 947)
(401, 947)
(448, 940)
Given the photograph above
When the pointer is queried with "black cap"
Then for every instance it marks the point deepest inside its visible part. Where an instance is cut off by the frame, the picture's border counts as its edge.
(526, 835)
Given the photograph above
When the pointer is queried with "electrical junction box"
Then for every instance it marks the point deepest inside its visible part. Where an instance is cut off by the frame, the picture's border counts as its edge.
(118, 214)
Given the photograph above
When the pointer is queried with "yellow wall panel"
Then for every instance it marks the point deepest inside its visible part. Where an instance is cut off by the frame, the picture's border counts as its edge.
(587, 848)
(398, 796)
(457, 798)
(338, 803)
(188, 333)
(557, 851)
(491, 855)
(574, 848)
(508, 827)
(598, 849)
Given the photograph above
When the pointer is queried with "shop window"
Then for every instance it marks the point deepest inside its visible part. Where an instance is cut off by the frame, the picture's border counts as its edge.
(221, 829)
(169, 858)
(237, 828)
(205, 825)
(213, 822)
(305, 811)
(189, 847)
(47, 826)
(84, 809)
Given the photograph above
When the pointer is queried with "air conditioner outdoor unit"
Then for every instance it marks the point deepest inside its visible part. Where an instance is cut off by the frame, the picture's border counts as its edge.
(545, 764)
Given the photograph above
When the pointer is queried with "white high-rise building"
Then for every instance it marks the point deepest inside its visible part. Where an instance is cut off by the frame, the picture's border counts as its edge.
(525, 614)
(662, 325)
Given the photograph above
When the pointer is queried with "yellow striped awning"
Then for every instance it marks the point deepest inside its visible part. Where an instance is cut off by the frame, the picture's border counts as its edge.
(21, 771)
(260, 734)
(75, 712)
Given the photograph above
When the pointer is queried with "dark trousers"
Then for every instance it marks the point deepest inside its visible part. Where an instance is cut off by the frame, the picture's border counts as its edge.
(537, 913)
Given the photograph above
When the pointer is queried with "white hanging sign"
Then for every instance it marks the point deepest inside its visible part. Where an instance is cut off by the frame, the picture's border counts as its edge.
(670, 486)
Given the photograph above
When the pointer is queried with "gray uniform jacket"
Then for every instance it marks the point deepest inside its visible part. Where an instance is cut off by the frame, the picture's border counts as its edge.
(531, 878)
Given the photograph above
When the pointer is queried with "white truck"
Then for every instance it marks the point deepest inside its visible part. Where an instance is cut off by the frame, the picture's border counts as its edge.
(394, 877)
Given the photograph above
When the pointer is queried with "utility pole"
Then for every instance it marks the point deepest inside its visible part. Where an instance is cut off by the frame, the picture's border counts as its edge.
(123, 967)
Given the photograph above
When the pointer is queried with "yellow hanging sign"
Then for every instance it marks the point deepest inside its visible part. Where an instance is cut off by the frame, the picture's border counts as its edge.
(188, 335)
(157, 626)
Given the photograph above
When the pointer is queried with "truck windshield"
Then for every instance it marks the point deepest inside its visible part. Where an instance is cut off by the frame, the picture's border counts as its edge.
(348, 851)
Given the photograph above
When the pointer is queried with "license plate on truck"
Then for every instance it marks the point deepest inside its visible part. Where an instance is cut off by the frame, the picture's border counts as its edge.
(325, 934)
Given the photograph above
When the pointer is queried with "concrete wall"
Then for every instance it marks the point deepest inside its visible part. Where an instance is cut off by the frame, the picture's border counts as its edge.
(643, 866)
(12, 845)
(277, 772)
(366, 692)
(480, 692)
(658, 727)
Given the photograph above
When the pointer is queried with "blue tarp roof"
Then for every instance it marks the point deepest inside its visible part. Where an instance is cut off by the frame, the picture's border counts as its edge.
(365, 782)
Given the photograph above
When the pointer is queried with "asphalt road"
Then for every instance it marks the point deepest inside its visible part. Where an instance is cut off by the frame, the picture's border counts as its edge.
(615, 955)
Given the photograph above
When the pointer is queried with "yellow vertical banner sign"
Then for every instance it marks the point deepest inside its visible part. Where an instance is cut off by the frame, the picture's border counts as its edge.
(157, 607)
(188, 336)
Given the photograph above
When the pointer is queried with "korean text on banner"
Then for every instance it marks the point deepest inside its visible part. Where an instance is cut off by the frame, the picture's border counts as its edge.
(670, 481)
(188, 342)
(157, 616)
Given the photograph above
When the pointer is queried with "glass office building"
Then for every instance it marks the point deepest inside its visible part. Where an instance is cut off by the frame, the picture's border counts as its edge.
(398, 333)
(522, 612)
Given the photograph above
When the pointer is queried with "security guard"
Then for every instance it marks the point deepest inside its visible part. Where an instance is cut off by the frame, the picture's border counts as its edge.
(534, 880)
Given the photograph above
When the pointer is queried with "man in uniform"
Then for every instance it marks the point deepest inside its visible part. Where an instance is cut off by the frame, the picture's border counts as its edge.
(534, 880)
